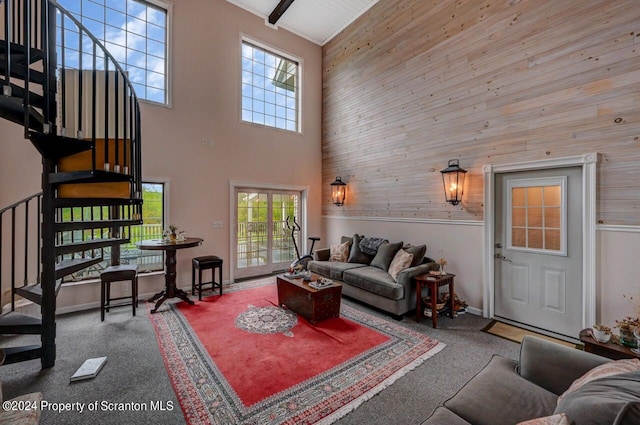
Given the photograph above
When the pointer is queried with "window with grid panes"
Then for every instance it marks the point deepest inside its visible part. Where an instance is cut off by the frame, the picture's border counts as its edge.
(133, 31)
(153, 197)
(270, 88)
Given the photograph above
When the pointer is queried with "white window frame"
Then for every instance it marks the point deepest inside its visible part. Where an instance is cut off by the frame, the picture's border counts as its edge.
(168, 69)
(271, 49)
(536, 182)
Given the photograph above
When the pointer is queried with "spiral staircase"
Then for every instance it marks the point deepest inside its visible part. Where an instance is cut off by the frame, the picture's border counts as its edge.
(80, 112)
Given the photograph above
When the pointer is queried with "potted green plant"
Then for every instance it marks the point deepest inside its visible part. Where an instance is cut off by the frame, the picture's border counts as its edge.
(626, 327)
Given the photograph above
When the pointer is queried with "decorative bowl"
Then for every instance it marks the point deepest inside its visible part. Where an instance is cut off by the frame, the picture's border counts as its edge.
(600, 336)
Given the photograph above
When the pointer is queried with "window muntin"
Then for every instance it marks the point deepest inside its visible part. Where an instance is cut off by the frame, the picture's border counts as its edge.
(133, 31)
(153, 213)
(270, 88)
(536, 215)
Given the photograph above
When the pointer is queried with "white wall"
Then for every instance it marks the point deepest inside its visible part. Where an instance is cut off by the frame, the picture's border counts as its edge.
(205, 76)
(617, 266)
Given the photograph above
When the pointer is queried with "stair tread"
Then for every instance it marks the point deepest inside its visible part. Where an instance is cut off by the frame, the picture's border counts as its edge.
(16, 319)
(11, 108)
(33, 292)
(19, 354)
(94, 202)
(88, 245)
(72, 265)
(18, 50)
(94, 224)
(89, 176)
(54, 146)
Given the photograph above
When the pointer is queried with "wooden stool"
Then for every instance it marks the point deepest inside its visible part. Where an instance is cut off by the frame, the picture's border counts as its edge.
(204, 263)
(117, 274)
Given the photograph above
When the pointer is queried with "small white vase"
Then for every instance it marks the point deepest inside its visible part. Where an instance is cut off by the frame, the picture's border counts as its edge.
(600, 336)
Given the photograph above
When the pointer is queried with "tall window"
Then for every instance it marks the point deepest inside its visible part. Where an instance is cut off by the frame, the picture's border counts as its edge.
(133, 31)
(270, 88)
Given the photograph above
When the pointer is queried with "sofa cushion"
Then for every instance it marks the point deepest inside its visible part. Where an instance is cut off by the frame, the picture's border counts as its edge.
(559, 419)
(331, 269)
(385, 255)
(444, 416)
(401, 261)
(607, 369)
(602, 400)
(497, 395)
(374, 280)
(340, 252)
(418, 252)
(356, 255)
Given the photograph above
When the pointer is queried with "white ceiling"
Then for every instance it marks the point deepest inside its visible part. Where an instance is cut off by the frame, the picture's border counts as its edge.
(316, 20)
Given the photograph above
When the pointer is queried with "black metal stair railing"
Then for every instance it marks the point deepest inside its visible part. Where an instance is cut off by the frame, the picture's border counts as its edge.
(20, 244)
(79, 109)
(59, 80)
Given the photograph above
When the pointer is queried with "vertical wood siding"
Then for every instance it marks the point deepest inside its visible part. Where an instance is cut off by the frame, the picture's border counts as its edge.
(414, 83)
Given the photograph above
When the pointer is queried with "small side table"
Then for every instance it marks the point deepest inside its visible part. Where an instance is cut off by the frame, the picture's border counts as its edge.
(605, 349)
(433, 282)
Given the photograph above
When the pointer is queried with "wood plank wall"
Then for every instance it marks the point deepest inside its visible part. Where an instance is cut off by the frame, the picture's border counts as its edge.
(414, 83)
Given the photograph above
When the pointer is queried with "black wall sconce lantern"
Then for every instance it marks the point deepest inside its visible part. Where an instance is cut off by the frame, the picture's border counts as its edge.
(453, 180)
(338, 191)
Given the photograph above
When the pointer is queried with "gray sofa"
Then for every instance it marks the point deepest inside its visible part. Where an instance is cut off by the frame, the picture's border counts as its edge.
(366, 279)
(507, 392)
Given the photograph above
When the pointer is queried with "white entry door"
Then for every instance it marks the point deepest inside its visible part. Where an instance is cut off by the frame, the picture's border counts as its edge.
(538, 249)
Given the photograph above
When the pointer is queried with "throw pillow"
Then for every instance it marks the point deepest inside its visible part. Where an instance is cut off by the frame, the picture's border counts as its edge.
(602, 400)
(356, 255)
(340, 252)
(385, 255)
(607, 369)
(559, 419)
(370, 245)
(418, 252)
(401, 261)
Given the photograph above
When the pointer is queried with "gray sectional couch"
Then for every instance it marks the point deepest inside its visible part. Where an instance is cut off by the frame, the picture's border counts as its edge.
(507, 392)
(366, 277)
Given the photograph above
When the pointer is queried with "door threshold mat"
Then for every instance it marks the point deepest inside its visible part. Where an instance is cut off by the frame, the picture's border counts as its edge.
(515, 334)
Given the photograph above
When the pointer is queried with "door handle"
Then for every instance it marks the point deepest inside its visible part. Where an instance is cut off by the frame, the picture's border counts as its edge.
(498, 245)
(501, 257)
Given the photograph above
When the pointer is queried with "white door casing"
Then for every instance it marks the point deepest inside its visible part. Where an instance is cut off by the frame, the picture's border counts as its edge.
(588, 163)
(234, 186)
(538, 252)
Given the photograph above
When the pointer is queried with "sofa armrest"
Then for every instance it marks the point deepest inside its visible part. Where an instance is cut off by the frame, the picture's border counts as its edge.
(405, 277)
(554, 366)
(322, 254)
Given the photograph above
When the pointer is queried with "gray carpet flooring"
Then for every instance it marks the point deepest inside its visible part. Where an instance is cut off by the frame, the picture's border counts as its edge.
(135, 372)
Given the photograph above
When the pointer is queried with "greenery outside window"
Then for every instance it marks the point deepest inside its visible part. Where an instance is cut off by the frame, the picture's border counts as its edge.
(153, 212)
(270, 87)
(133, 31)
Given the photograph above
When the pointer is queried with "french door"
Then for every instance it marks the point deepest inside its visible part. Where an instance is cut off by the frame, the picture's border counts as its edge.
(263, 243)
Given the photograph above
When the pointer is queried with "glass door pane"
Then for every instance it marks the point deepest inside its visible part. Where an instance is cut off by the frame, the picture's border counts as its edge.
(282, 250)
(263, 241)
(252, 227)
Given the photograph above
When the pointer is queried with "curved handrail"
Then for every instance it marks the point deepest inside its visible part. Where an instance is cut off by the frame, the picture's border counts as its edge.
(20, 202)
(96, 41)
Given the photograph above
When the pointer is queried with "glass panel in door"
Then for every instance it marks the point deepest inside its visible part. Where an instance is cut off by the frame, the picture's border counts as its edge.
(263, 241)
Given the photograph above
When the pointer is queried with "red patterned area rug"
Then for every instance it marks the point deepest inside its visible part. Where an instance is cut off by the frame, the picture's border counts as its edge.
(240, 359)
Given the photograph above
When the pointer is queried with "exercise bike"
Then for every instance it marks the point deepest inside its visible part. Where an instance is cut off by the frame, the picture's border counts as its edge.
(301, 262)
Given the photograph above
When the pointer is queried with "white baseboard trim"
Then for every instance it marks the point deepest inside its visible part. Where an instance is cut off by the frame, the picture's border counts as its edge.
(474, 311)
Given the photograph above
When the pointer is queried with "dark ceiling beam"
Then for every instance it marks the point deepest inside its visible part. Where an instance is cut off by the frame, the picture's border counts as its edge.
(279, 11)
